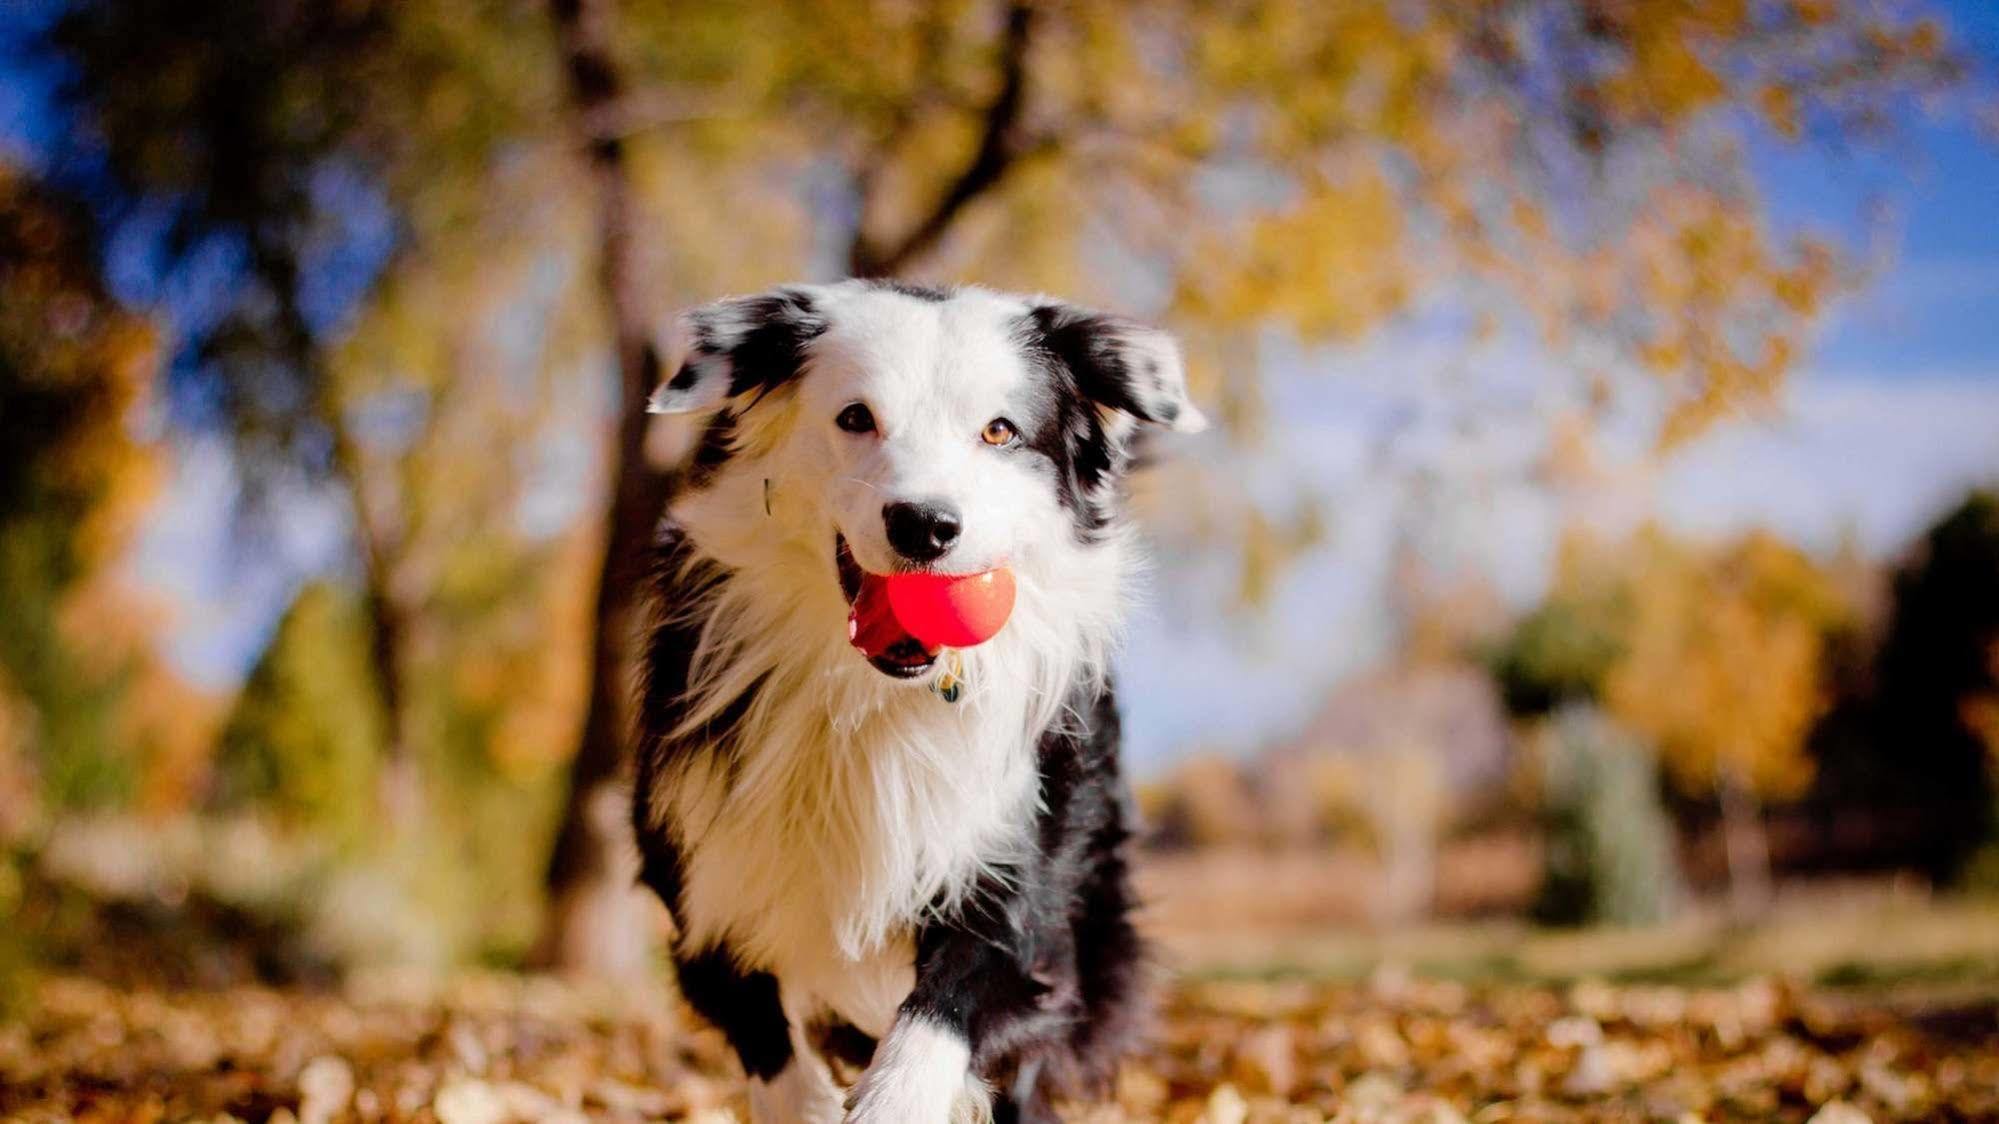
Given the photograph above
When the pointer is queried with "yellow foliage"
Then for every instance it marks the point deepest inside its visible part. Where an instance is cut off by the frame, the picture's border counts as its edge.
(1722, 658)
(1318, 166)
(1329, 264)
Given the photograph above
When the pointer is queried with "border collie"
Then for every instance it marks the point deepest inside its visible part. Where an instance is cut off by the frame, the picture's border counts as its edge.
(892, 864)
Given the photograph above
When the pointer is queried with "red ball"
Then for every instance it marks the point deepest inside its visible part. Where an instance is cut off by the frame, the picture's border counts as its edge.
(952, 610)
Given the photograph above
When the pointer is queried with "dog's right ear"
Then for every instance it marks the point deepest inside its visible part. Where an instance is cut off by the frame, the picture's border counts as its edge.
(1119, 364)
(738, 346)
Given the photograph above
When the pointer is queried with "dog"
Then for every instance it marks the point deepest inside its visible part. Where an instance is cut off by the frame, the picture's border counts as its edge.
(897, 862)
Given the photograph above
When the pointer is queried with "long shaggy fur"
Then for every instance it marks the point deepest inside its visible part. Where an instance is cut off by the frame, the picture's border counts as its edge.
(839, 847)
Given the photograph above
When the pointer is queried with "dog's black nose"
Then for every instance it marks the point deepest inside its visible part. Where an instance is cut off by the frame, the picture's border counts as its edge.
(921, 532)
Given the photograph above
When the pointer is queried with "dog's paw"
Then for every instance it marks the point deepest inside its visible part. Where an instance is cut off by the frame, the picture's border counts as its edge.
(920, 1075)
(972, 1104)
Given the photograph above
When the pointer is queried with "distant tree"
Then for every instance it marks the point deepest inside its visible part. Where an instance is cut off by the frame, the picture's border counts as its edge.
(594, 920)
(75, 370)
(1716, 656)
(1562, 650)
(275, 156)
(1204, 801)
(1609, 846)
(1935, 681)
(1722, 670)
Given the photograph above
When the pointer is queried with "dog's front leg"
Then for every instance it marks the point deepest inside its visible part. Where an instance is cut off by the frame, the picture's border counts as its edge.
(926, 1070)
(789, 1083)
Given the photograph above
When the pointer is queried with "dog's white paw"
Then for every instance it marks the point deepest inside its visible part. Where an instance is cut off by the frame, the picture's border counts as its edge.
(802, 1093)
(920, 1075)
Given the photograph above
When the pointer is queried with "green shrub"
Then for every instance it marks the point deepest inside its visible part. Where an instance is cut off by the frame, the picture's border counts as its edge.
(1609, 840)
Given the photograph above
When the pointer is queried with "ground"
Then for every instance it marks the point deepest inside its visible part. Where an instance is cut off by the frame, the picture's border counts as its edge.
(1845, 1003)
(1392, 1047)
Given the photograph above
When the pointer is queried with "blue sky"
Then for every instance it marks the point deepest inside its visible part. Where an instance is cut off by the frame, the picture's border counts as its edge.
(1928, 307)
(1893, 414)
(1933, 308)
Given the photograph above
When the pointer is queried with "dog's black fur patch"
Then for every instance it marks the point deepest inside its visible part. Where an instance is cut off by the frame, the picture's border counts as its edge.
(772, 352)
(1083, 367)
(763, 338)
(767, 354)
(1093, 347)
(744, 1006)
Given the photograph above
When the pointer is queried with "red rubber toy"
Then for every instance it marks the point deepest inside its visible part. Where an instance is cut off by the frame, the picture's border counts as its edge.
(952, 610)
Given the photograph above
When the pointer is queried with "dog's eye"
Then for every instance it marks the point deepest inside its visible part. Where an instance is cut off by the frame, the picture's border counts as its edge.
(856, 419)
(1000, 433)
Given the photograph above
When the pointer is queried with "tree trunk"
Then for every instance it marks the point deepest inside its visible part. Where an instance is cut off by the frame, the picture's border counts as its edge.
(1748, 848)
(597, 917)
(596, 920)
(399, 790)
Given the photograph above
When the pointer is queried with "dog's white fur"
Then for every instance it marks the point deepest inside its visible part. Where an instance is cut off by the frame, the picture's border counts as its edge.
(858, 800)
(918, 1069)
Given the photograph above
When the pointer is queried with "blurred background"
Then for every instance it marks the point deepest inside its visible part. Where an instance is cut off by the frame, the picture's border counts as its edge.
(1596, 567)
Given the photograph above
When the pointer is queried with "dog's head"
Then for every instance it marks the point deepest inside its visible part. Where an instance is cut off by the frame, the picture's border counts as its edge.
(893, 428)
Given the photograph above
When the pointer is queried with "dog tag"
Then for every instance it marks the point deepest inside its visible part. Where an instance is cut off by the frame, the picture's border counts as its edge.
(951, 684)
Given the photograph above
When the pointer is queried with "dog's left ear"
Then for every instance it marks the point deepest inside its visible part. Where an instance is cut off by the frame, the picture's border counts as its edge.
(738, 346)
(1119, 364)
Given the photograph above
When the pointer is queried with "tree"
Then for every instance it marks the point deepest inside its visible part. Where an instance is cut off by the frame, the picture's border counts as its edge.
(1562, 650)
(1717, 656)
(286, 151)
(304, 742)
(594, 919)
(1722, 669)
(1609, 846)
(1935, 678)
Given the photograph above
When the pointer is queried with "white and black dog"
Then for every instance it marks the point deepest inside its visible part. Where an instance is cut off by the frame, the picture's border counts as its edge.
(862, 870)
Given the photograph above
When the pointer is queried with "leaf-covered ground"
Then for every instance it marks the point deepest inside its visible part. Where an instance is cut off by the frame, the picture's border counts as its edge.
(1391, 1049)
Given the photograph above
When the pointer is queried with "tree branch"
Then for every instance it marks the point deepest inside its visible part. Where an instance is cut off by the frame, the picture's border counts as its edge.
(1002, 143)
(639, 111)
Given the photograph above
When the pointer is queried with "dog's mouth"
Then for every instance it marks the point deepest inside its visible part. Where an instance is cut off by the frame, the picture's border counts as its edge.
(871, 625)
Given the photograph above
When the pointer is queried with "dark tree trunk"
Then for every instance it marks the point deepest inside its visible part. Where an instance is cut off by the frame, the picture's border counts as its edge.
(596, 922)
(1747, 844)
(596, 919)
(399, 790)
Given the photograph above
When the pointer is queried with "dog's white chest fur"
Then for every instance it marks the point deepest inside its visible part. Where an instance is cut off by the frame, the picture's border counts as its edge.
(816, 845)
